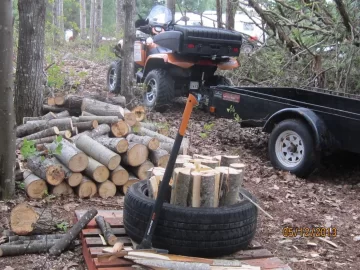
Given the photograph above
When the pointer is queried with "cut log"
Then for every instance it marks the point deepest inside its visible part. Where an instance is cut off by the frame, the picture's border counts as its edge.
(72, 102)
(62, 123)
(129, 117)
(106, 189)
(99, 119)
(27, 119)
(62, 189)
(73, 233)
(118, 100)
(87, 114)
(118, 145)
(166, 146)
(75, 119)
(51, 101)
(119, 176)
(158, 172)
(59, 100)
(27, 248)
(30, 128)
(56, 109)
(102, 129)
(97, 171)
(159, 157)
(151, 143)
(230, 183)
(63, 114)
(210, 163)
(238, 166)
(76, 137)
(101, 108)
(227, 160)
(150, 126)
(70, 156)
(98, 152)
(197, 156)
(45, 140)
(140, 113)
(46, 169)
(120, 129)
(135, 155)
(65, 134)
(35, 187)
(48, 116)
(42, 134)
(180, 187)
(86, 189)
(141, 171)
(86, 125)
(194, 197)
(42, 237)
(132, 180)
(153, 187)
(106, 230)
(73, 179)
(179, 163)
(74, 131)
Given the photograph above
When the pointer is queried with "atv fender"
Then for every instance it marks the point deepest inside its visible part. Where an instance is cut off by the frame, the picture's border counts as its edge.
(155, 61)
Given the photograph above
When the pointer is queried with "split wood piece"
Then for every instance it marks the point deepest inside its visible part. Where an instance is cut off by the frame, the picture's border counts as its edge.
(30, 128)
(180, 186)
(132, 180)
(120, 129)
(86, 189)
(101, 108)
(149, 142)
(135, 155)
(102, 129)
(194, 199)
(210, 163)
(140, 113)
(70, 102)
(129, 117)
(46, 169)
(118, 246)
(73, 233)
(86, 125)
(42, 134)
(141, 171)
(87, 114)
(31, 248)
(35, 187)
(100, 119)
(106, 189)
(97, 171)
(153, 187)
(197, 156)
(159, 157)
(73, 179)
(106, 230)
(50, 101)
(62, 189)
(118, 145)
(158, 172)
(238, 166)
(179, 163)
(98, 152)
(70, 156)
(119, 176)
(65, 134)
(63, 114)
(118, 100)
(227, 160)
(230, 184)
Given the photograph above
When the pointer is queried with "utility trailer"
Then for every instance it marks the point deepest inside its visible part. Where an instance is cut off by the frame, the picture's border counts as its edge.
(303, 124)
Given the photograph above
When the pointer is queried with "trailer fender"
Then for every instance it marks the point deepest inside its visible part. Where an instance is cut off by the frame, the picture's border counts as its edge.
(317, 125)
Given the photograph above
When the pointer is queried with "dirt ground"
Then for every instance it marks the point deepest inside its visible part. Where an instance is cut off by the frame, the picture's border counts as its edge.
(329, 198)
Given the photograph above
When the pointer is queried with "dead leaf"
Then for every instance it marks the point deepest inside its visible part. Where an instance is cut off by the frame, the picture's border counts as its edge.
(314, 255)
(70, 265)
(329, 242)
(311, 244)
(356, 238)
(288, 220)
(8, 268)
(276, 187)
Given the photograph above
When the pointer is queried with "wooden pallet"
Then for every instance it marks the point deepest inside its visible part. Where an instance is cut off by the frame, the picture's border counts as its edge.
(92, 245)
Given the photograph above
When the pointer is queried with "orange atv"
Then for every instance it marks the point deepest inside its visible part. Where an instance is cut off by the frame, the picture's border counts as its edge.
(173, 59)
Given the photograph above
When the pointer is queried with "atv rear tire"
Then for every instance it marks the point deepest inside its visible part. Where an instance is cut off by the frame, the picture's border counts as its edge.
(160, 90)
(113, 78)
(218, 80)
(204, 232)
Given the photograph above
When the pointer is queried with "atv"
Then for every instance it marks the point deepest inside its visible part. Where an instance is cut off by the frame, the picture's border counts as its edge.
(172, 60)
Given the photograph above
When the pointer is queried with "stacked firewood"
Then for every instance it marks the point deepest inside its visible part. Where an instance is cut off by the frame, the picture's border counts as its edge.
(202, 181)
(104, 148)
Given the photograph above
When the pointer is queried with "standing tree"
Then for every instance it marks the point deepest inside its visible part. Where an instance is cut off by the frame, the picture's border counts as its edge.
(219, 13)
(127, 71)
(83, 19)
(7, 115)
(171, 5)
(230, 13)
(29, 80)
(119, 17)
(58, 20)
(92, 23)
(98, 22)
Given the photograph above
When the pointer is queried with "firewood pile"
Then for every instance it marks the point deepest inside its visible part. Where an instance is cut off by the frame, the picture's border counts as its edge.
(103, 147)
(201, 181)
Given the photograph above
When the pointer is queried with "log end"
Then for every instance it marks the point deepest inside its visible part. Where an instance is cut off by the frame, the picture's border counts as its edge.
(74, 179)
(22, 218)
(112, 240)
(153, 144)
(119, 176)
(37, 189)
(114, 162)
(120, 129)
(101, 174)
(139, 112)
(122, 146)
(62, 189)
(163, 161)
(130, 118)
(55, 175)
(86, 189)
(137, 155)
(78, 162)
(107, 190)
(95, 124)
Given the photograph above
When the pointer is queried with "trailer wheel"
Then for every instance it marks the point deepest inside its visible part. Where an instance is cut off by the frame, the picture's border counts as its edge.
(113, 77)
(291, 148)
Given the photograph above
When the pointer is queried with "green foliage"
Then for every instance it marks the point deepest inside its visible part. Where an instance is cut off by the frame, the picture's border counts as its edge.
(28, 149)
(207, 128)
(231, 109)
(20, 185)
(56, 78)
(62, 226)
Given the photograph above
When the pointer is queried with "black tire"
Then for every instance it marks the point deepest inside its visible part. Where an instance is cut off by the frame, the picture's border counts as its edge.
(218, 80)
(114, 84)
(164, 90)
(307, 164)
(205, 232)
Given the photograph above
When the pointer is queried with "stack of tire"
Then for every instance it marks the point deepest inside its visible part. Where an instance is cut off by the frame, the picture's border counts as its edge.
(203, 232)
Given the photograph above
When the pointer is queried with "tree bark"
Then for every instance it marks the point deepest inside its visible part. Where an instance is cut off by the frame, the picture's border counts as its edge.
(149, 142)
(219, 13)
(135, 155)
(92, 22)
(31, 248)
(83, 30)
(98, 24)
(99, 152)
(118, 145)
(159, 157)
(65, 134)
(96, 171)
(46, 169)
(129, 117)
(86, 189)
(87, 114)
(100, 119)
(7, 115)
(48, 116)
(119, 17)
(209, 189)
(227, 160)
(127, 71)
(102, 108)
(118, 100)
(64, 242)
(230, 183)
(89, 125)
(35, 187)
(142, 170)
(231, 7)
(106, 230)
(106, 189)
(102, 129)
(119, 176)
(170, 4)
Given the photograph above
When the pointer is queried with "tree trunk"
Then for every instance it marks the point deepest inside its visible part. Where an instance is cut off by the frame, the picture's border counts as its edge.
(119, 176)
(98, 24)
(92, 22)
(98, 152)
(106, 189)
(120, 129)
(7, 115)
(127, 72)
(219, 13)
(142, 170)
(149, 142)
(46, 169)
(106, 230)
(61, 20)
(86, 189)
(83, 32)
(119, 17)
(170, 4)
(118, 145)
(96, 171)
(231, 6)
(135, 155)
(35, 187)
(29, 70)
(56, 21)
(159, 157)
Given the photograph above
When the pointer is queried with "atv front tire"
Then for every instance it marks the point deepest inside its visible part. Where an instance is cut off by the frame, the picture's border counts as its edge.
(160, 90)
(113, 78)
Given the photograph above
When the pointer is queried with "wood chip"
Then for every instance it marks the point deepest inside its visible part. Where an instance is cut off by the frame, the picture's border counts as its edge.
(329, 242)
